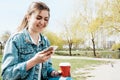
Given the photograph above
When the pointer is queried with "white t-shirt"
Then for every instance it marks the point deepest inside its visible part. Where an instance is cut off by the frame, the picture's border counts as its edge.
(40, 64)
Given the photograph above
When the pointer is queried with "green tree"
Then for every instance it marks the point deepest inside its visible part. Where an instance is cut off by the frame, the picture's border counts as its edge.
(93, 29)
(54, 39)
(4, 37)
(116, 46)
(71, 34)
(90, 20)
(115, 10)
(112, 15)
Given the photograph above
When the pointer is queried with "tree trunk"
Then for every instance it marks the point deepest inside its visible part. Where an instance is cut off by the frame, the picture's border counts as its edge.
(93, 42)
(70, 48)
(1, 47)
(94, 47)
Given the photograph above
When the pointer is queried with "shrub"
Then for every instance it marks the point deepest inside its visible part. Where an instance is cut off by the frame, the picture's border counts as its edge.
(116, 46)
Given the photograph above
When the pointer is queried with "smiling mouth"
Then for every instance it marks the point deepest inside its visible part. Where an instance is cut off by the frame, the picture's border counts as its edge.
(39, 26)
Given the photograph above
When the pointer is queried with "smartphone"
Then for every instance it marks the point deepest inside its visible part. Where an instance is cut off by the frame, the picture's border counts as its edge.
(54, 48)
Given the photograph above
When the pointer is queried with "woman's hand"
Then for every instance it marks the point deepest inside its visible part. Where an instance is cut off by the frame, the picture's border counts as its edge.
(55, 73)
(43, 55)
(39, 58)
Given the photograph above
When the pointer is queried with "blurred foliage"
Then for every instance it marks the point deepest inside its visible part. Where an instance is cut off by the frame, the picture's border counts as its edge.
(54, 39)
(116, 46)
(4, 37)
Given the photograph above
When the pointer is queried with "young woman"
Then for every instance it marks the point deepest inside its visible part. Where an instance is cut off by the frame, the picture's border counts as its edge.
(25, 57)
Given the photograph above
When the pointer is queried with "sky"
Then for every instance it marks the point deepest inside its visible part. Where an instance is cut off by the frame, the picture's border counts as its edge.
(13, 11)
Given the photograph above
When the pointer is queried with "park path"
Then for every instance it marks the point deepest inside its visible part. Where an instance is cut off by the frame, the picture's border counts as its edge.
(110, 71)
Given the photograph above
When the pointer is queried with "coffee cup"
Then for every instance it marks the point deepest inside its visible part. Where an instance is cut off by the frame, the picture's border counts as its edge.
(65, 69)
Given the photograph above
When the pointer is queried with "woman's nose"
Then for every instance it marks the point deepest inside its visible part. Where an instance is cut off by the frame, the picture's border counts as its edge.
(42, 21)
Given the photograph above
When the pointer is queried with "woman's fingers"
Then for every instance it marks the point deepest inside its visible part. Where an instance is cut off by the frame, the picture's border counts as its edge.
(44, 55)
(48, 51)
(55, 73)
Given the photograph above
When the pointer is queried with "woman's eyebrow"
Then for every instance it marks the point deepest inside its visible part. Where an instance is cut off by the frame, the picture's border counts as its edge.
(39, 16)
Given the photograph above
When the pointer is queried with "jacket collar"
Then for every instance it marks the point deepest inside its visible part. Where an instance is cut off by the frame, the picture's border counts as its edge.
(28, 38)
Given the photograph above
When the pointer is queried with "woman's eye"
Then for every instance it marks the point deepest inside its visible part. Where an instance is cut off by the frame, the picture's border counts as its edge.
(46, 19)
(38, 18)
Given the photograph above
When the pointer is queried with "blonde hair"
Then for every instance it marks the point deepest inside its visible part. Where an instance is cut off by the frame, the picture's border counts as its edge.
(35, 6)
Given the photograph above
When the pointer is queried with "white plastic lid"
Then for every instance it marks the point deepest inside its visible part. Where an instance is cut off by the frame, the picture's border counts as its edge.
(65, 64)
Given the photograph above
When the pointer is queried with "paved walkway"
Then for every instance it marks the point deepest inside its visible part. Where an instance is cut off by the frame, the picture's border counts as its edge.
(109, 71)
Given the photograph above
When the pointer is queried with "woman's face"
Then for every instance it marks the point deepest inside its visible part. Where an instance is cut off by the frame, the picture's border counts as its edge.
(37, 21)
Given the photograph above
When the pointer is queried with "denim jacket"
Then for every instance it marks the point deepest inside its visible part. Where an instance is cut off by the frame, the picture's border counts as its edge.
(20, 48)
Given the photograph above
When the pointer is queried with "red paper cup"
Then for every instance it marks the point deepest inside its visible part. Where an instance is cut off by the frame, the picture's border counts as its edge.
(65, 69)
